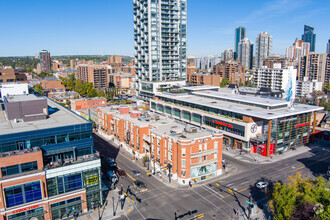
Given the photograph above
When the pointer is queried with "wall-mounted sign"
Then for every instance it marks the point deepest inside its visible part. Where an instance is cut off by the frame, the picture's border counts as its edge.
(25, 209)
(254, 128)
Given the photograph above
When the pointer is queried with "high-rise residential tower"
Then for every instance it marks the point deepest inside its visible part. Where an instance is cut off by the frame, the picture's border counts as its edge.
(227, 54)
(309, 37)
(44, 57)
(328, 46)
(263, 48)
(245, 53)
(240, 34)
(160, 45)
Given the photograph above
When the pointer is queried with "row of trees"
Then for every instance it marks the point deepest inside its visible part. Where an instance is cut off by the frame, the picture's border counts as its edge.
(301, 199)
(28, 63)
(87, 89)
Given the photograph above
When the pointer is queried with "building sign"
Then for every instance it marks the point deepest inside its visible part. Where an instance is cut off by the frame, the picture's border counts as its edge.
(92, 179)
(223, 124)
(300, 125)
(199, 171)
(25, 209)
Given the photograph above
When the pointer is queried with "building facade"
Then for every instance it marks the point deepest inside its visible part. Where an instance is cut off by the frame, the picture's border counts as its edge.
(271, 60)
(315, 67)
(227, 54)
(160, 36)
(245, 53)
(240, 34)
(12, 75)
(44, 57)
(263, 48)
(49, 169)
(277, 79)
(88, 103)
(122, 81)
(328, 46)
(95, 74)
(188, 153)
(260, 125)
(297, 50)
(231, 70)
(309, 37)
(306, 87)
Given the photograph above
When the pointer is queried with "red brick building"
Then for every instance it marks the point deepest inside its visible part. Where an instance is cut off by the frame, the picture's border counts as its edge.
(88, 103)
(193, 154)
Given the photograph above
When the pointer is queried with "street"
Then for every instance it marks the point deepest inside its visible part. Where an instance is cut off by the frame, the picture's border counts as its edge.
(214, 199)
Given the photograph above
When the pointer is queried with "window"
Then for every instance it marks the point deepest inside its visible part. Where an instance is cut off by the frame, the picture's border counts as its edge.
(19, 168)
(158, 150)
(183, 163)
(215, 145)
(158, 141)
(205, 147)
(183, 152)
(200, 147)
(169, 146)
(200, 159)
(215, 156)
(204, 158)
(21, 194)
(169, 156)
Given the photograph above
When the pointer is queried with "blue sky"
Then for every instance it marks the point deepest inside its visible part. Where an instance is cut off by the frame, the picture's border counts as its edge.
(72, 27)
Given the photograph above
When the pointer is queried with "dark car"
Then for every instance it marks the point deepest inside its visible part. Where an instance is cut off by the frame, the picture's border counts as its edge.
(121, 173)
(140, 185)
(111, 163)
(136, 172)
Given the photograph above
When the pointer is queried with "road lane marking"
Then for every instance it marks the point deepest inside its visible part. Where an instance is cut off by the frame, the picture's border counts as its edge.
(216, 207)
(244, 182)
(309, 164)
(128, 175)
(173, 186)
(129, 210)
(235, 192)
(193, 186)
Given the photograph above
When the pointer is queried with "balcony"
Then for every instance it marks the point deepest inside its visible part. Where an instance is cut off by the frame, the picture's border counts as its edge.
(72, 161)
(19, 152)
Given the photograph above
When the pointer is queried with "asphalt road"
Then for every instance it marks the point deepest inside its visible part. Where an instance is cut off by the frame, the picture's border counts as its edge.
(216, 198)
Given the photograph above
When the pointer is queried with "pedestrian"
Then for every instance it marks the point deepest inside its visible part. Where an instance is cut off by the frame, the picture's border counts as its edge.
(190, 183)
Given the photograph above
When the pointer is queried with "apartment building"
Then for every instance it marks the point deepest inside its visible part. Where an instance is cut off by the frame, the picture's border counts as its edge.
(160, 36)
(122, 81)
(95, 74)
(272, 59)
(315, 67)
(12, 75)
(49, 169)
(44, 57)
(306, 87)
(260, 125)
(189, 152)
(230, 69)
(277, 79)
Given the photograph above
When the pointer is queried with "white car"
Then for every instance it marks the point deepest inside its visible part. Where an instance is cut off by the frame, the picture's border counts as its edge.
(261, 185)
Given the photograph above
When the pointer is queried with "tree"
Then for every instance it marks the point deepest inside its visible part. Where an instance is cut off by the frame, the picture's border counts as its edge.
(323, 102)
(225, 81)
(38, 88)
(287, 199)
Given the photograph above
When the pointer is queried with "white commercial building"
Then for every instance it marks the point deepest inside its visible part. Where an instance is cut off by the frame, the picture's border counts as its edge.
(277, 79)
(14, 89)
(160, 39)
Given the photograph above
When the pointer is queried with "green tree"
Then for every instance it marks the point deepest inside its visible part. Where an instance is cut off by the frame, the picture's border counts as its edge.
(225, 81)
(285, 198)
(38, 88)
(323, 102)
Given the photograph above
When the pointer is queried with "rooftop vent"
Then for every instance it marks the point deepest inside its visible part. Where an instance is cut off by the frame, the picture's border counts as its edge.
(191, 129)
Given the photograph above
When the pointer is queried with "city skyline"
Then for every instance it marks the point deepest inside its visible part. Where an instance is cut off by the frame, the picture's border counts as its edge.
(109, 27)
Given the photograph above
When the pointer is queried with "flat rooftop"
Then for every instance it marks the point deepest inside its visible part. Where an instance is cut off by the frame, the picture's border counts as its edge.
(22, 98)
(59, 116)
(242, 104)
(200, 88)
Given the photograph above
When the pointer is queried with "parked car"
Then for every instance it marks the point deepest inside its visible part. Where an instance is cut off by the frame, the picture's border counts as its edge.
(262, 185)
(140, 185)
(121, 173)
(111, 162)
(136, 172)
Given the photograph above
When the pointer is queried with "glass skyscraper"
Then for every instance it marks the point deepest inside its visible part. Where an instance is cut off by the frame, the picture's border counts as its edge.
(240, 34)
(309, 37)
(160, 38)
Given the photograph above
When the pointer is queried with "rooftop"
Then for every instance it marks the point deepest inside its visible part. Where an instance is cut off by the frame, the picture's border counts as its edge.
(22, 98)
(59, 116)
(264, 108)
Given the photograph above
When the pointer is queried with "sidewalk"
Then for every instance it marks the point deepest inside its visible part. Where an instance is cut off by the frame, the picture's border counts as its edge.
(160, 176)
(258, 159)
(111, 209)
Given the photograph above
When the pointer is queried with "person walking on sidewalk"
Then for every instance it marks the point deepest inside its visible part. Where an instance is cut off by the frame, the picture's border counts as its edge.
(190, 183)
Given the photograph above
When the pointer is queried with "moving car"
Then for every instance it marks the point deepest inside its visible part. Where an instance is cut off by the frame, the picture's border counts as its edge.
(261, 185)
(121, 173)
(140, 185)
(136, 172)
